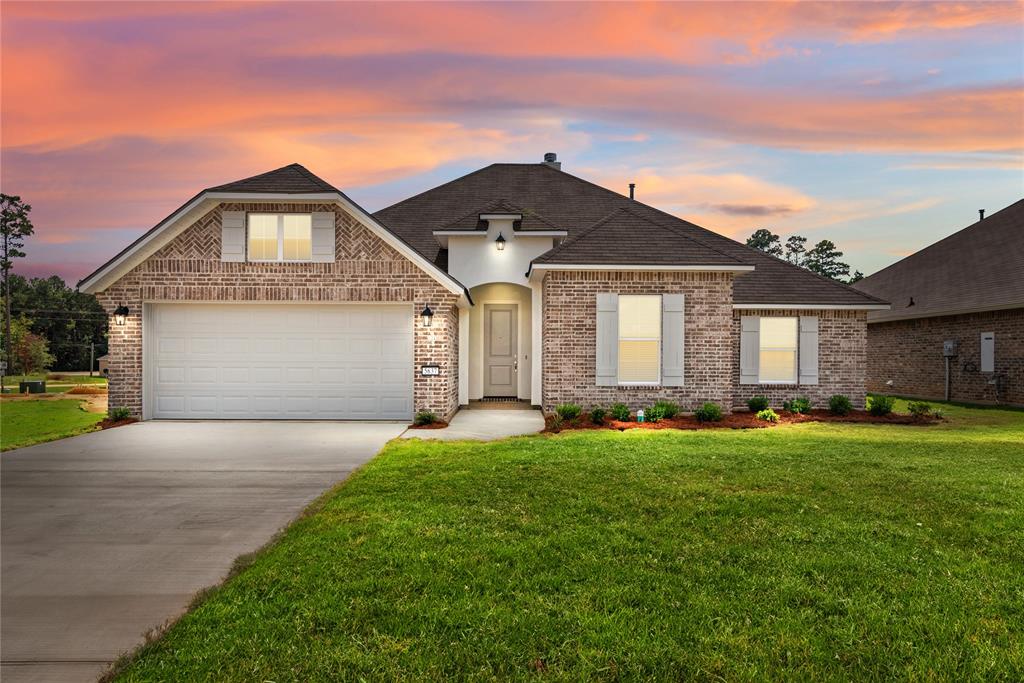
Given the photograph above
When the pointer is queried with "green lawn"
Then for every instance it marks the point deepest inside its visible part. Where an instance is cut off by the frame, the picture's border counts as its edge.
(25, 422)
(808, 552)
(56, 383)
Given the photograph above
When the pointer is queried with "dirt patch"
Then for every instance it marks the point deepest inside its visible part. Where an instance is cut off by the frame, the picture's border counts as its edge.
(742, 421)
(433, 425)
(87, 389)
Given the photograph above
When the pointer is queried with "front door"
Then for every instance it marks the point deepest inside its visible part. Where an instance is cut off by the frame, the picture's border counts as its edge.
(501, 363)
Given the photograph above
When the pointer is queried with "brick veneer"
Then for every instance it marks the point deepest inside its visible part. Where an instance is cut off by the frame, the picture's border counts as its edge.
(909, 352)
(366, 270)
(570, 329)
(842, 362)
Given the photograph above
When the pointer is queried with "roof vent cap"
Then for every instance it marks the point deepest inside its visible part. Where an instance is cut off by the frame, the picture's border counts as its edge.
(551, 159)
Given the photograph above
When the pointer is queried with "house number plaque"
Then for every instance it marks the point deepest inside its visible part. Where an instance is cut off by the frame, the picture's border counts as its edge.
(430, 370)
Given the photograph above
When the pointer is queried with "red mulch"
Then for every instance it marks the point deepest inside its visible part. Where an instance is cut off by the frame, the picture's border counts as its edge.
(432, 425)
(744, 421)
(107, 423)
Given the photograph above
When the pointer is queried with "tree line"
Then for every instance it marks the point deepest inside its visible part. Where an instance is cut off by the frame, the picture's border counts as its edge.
(822, 258)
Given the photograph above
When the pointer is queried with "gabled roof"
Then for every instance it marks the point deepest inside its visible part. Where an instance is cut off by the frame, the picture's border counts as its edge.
(626, 238)
(979, 268)
(530, 221)
(574, 205)
(290, 179)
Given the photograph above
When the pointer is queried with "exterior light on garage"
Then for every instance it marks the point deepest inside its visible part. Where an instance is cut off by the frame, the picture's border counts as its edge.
(427, 315)
(120, 313)
(500, 242)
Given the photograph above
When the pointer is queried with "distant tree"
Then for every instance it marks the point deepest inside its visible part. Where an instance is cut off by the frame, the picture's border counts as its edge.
(31, 351)
(15, 226)
(765, 240)
(823, 259)
(795, 250)
(856, 277)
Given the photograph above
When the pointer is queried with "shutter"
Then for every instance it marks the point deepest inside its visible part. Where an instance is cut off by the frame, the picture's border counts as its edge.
(323, 236)
(232, 235)
(750, 348)
(672, 340)
(808, 350)
(607, 371)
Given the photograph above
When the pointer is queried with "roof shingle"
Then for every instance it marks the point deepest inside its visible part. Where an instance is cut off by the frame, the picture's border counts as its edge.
(290, 179)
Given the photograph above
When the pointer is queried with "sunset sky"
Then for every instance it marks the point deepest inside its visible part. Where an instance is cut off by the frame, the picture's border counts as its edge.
(883, 127)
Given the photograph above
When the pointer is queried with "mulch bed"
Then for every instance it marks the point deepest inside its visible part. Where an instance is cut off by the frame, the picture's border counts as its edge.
(432, 425)
(743, 421)
(87, 389)
(107, 423)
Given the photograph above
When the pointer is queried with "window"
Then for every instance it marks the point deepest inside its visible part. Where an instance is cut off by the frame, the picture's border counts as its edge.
(280, 237)
(639, 339)
(777, 355)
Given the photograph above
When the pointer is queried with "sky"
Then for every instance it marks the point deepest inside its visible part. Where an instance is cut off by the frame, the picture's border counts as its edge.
(882, 127)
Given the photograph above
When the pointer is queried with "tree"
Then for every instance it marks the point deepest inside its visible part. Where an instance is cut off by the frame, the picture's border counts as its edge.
(31, 352)
(15, 226)
(795, 250)
(856, 277)
(767, 241)
(823, 259)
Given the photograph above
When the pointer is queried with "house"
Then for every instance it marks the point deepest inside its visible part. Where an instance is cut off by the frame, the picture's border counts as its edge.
(956, 326)
(103, 362)
(278, 296)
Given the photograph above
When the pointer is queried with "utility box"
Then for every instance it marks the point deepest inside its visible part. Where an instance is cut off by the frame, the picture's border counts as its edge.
(949, 348)
(988, 351)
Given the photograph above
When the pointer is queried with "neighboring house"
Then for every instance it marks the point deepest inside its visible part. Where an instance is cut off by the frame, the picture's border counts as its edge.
(967, 289)
(104, 364)
(277, 296)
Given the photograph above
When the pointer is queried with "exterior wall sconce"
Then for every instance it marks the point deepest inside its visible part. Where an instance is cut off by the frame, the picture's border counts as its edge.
(427, 315)
(500, 242)
(120, 313)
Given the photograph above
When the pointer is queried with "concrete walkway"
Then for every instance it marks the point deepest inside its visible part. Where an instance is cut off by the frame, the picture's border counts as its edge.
(484, 425)
(110, 534)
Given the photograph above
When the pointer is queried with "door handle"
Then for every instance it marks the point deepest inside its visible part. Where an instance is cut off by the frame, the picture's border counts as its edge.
(515, 363)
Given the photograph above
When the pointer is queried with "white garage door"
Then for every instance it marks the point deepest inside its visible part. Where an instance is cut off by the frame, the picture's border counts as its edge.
(292, 361)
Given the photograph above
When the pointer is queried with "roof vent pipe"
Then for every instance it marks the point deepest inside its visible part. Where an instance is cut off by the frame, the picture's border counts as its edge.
(981, 214)
(551, 159)
(632, 187)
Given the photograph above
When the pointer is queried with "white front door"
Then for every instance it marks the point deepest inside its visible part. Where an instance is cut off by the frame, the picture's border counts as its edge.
(279, 361)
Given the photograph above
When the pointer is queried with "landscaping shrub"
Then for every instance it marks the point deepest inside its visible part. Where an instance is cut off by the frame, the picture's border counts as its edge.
(654, 414)
(880, 405)
(597, 415)
(120, 413)
(757, 403)
(620, 411)
(556, 422)
(668, 409)
(920, 409)
(568, 411)
(800, 404)
(768, 415)
(424, 417)
(709, 412)
(839, 404)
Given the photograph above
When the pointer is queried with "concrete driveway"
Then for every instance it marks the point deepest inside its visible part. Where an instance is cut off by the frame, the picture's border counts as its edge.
(110, 534)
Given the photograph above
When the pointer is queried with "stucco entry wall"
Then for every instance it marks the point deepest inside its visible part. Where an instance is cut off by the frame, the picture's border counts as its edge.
(570, 333)
(842, 359)
(366, 269)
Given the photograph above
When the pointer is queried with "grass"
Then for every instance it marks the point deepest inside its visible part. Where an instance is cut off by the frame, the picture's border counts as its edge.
(25, 422)
(56, 382)
(807, 552)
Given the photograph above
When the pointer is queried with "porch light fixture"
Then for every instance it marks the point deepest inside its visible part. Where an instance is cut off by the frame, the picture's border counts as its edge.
(120, 313)
(500, 242)
(427, 315)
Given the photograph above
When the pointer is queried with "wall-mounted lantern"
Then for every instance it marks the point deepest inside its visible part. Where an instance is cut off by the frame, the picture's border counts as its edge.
(427, 315)
(500, 242)
(120, 313)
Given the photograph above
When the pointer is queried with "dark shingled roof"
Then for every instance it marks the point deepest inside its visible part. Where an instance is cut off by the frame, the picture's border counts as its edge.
(530, 220)
(574, 205)
(978, 268)
(290, 179)
(636, 240)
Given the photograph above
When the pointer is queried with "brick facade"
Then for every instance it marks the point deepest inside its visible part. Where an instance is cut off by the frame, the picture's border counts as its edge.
(842, 360)
(570, 333)
(909, 353)
(366, 269)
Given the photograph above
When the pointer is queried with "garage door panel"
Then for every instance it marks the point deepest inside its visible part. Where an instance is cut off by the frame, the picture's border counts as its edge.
(240, 361)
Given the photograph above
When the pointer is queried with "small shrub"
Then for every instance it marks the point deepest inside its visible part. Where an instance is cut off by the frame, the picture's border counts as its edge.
(568, 411)
(597, 415)
(767, 415)
(800, 404)
(880, 405)
(556, 422)
(839, 405)
(668, 409)
(120, 413)
(757, 403)
(620, 411)
(424, 417)
(919, 409)
(654, 414)
(709, 412)
(938, 413)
